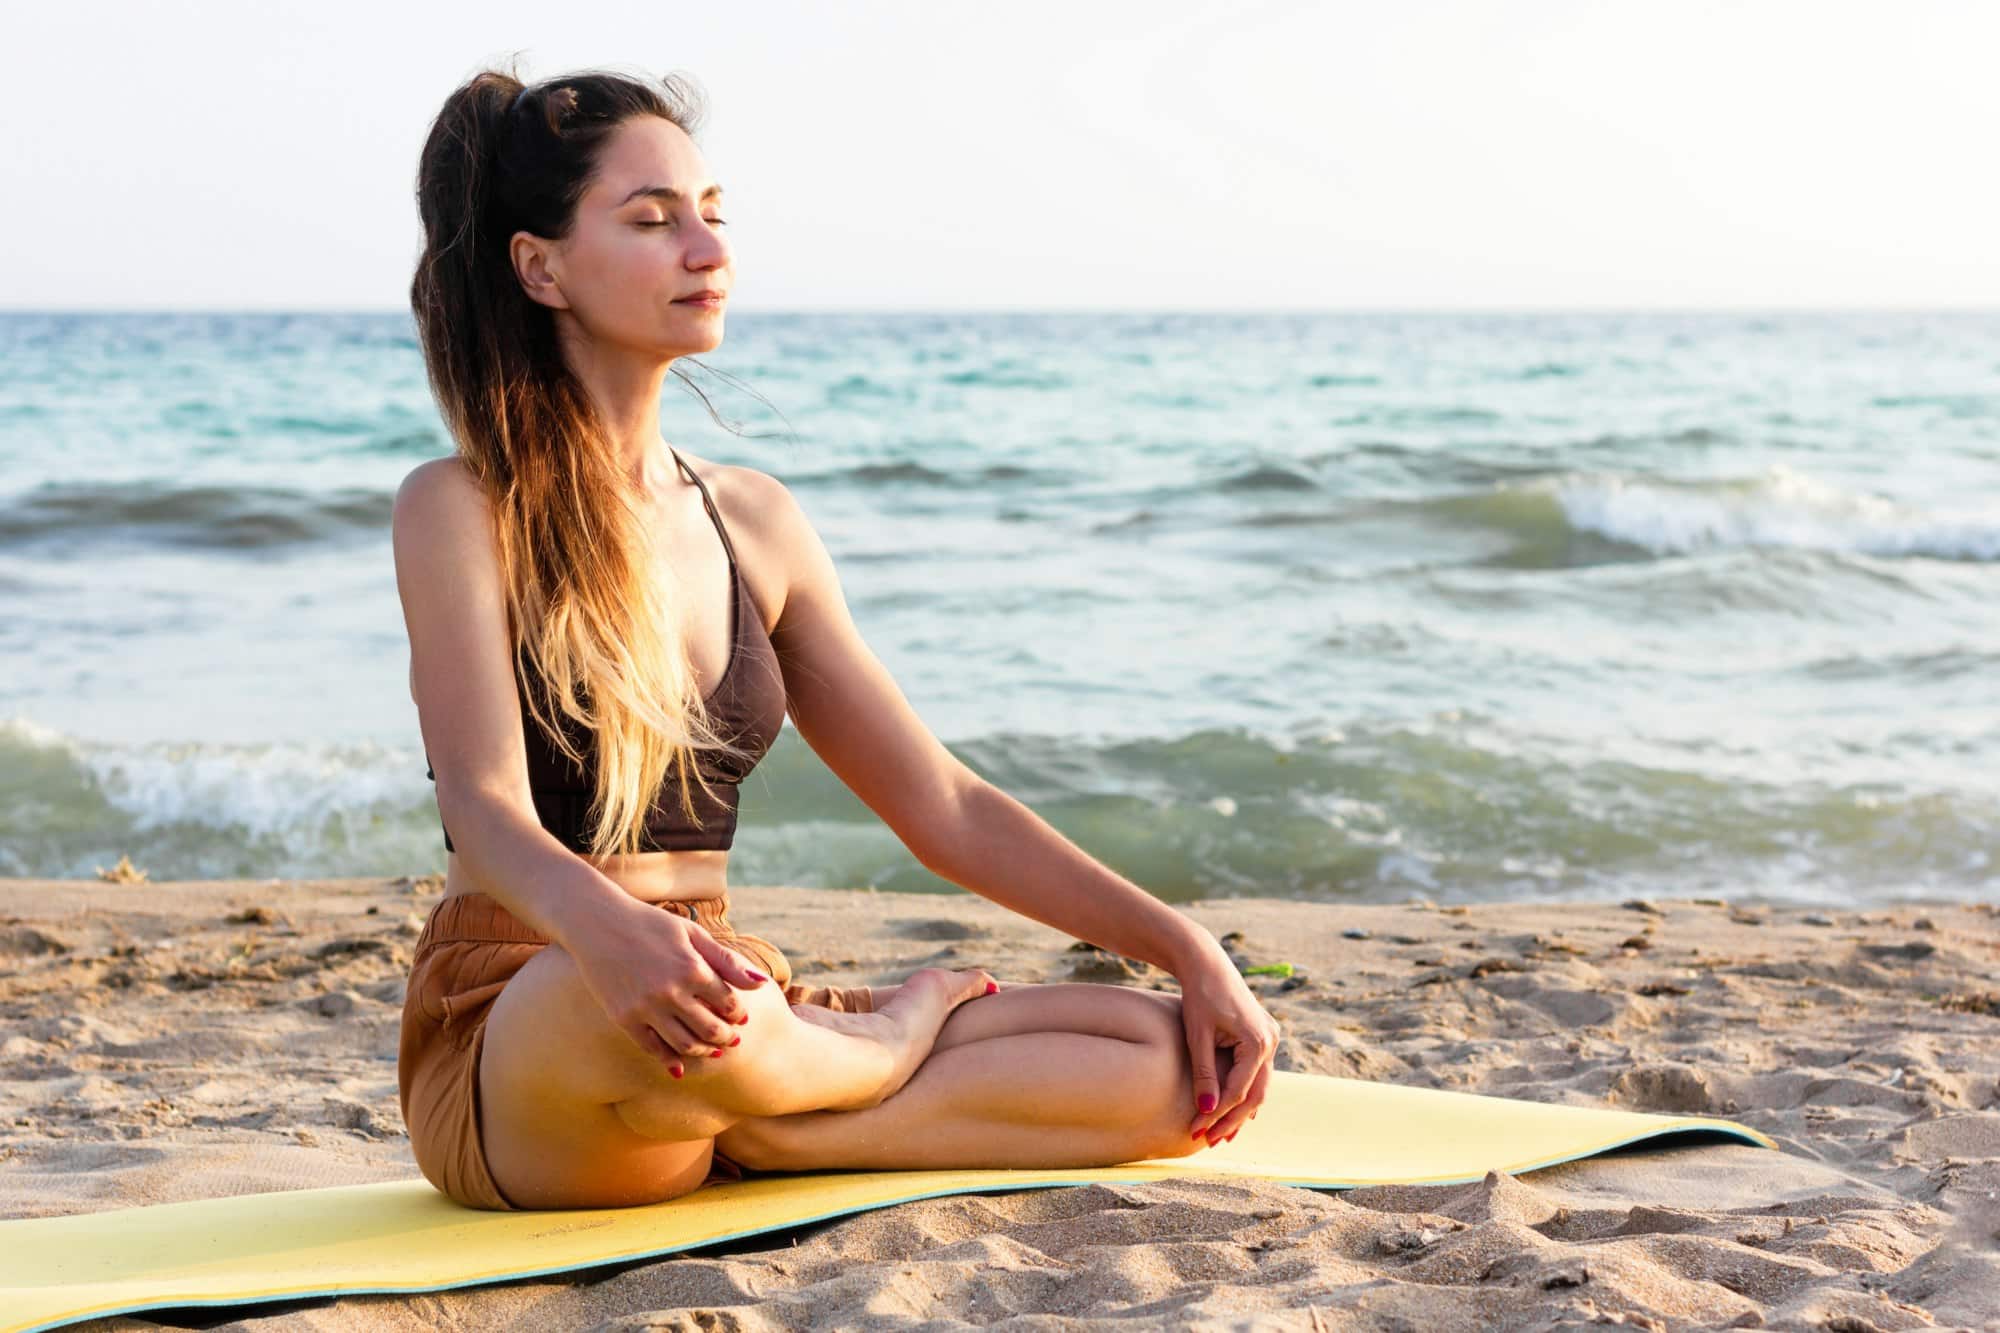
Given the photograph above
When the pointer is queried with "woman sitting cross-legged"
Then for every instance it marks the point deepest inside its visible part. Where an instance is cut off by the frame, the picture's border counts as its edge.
(606, 635)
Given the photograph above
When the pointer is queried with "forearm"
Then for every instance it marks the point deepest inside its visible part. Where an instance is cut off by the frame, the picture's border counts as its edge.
(525, 868)
(1003, 851)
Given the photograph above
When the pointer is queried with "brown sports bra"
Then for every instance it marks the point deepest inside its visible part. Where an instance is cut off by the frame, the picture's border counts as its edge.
(747, 705)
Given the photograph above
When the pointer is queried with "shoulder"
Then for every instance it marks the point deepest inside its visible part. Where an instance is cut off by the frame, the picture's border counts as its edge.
(438, 488)
(775, 541)
(756, 505)
(749, 489)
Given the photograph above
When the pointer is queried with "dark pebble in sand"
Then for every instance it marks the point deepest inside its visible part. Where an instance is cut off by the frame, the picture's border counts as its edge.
(1356, 933)
(940, 929)
(28, 940)
(351, 944)
(1641, 905)
(1110, 969)
(1908, 953)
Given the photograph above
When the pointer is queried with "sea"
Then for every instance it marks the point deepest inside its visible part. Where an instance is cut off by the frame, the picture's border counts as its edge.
(1345, 607)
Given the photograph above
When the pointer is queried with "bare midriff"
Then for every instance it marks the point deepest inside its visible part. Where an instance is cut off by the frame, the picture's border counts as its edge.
(653, 877)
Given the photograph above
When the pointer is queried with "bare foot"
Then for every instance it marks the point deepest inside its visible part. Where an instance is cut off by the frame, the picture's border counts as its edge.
(912, 1014)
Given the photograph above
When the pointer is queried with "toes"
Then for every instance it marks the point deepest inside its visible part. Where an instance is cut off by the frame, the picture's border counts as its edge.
(963, 984)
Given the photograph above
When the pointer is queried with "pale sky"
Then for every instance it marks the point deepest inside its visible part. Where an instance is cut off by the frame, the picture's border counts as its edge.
(1091, 154)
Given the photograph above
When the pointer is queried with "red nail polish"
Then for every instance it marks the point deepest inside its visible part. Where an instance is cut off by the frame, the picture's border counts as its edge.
(675, 1072)
(1207, 1102)
(737, 1042)
(1198, 1133)
(761, 978)
(992, 986)
(715, 1055)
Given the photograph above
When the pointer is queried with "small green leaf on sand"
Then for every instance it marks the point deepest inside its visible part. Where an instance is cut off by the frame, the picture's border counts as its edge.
(1269, 970)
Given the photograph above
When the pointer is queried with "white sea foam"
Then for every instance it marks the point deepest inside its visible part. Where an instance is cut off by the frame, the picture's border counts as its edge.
(321, 804)
(1783, 508)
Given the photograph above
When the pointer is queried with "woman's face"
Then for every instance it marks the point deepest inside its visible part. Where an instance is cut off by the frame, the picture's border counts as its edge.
(647, 235)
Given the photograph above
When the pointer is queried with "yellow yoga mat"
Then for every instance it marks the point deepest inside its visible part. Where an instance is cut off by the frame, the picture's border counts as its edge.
(403, 1236)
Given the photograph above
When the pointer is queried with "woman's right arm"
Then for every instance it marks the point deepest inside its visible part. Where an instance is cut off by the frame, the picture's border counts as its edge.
(468, 707)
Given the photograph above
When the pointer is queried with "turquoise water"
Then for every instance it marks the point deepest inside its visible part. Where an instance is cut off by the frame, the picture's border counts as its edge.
(1325, 606)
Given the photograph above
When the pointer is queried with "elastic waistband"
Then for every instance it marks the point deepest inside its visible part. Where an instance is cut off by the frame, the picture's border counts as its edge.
(480, 917)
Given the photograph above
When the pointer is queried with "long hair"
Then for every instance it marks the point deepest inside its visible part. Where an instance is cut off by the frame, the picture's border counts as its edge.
(594, 641)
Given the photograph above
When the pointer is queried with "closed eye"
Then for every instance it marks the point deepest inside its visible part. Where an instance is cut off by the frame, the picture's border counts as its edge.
(713, 222)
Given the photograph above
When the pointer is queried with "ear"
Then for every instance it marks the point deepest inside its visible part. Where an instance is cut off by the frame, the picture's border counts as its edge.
(531, 255)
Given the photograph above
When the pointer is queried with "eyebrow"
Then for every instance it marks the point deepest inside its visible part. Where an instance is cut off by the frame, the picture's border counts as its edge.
(667, 194)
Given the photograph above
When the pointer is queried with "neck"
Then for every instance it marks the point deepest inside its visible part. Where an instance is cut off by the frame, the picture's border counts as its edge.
(624, 387)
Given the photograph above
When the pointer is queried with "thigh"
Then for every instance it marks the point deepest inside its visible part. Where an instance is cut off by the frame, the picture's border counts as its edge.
(577, 1114)
(1066, 1074)
(1124, 1012)
(552, 1068)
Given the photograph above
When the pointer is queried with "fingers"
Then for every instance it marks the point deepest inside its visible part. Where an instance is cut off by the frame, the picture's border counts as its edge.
(667, 1041)
(1201, 1055)
(691, 1027)
(1226, 1127)
(650, 1042)
(678, 1024)
(713, 985)
(730, 966)
(1249, 1069)
(1249, 1059)
(684, 1039)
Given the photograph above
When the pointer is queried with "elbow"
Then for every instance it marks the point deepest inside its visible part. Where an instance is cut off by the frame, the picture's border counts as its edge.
(944, 833)
(478, 819)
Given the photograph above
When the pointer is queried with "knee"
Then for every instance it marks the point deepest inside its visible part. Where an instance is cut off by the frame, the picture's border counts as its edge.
(1162, 1096)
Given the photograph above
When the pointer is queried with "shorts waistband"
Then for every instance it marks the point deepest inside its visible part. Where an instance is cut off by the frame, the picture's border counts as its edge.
(480, 917)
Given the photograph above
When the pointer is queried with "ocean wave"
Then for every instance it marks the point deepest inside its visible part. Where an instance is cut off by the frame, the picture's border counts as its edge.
(910, 472)
(1454, 805)
(1460, 806)
(212, 517)
(1784, 508)
(1585, 518)
(203, 810)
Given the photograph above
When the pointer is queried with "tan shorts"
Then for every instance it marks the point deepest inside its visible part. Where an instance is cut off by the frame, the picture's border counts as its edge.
(469, 948)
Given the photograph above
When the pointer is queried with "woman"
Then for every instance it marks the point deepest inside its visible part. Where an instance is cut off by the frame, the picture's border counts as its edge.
(584, 1027)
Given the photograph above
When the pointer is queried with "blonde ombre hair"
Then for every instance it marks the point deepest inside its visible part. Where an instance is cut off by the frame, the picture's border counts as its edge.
(585, 613)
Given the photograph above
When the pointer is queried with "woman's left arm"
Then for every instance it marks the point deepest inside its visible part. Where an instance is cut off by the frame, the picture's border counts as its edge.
(961, 827)
(1000, 849)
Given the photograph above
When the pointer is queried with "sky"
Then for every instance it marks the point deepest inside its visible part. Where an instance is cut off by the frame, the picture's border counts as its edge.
(1094, 154)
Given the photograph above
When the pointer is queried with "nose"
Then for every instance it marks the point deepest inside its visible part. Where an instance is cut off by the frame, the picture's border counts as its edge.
(708, 248)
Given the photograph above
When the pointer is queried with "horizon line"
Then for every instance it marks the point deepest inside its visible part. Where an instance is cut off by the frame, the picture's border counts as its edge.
(1970, 308)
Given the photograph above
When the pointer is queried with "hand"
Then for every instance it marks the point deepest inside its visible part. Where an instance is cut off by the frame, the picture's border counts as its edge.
(1217, 1009)
(665, 981)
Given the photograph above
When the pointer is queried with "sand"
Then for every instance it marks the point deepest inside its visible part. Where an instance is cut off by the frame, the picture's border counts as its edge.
(184, 1040)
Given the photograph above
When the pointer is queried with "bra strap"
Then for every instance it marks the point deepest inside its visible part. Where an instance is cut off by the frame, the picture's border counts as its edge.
(708, 503)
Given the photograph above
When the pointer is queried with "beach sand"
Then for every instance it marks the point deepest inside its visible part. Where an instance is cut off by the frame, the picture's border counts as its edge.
(179, 1041)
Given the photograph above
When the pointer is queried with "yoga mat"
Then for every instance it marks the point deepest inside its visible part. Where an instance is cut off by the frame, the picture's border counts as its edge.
(404, 1236)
